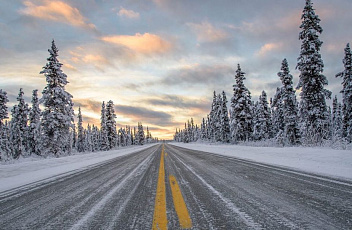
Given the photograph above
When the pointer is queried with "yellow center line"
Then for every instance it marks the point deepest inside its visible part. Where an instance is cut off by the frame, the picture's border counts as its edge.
(179, 203)
(160, 218)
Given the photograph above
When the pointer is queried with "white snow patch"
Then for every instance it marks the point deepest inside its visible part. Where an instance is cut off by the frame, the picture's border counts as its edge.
(28, 171)
(323, 161)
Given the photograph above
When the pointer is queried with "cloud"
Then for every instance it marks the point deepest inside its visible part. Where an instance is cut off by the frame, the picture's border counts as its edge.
(86, 104)
(128, 13)
(56, 11)
(158, 118)
(200, 75)
(141, 43)
(175, 101)
(269, 47)
(206, 32)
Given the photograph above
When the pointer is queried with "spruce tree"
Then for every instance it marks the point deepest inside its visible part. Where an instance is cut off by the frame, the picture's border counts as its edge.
(262, 126)
(203, 131)
(337, 124)
(225, 123)
(111, 124)
(57, 117)
(241, 104)
(4, 139)
(80, 132)
(140, 133)
(34, 125)
(313, 109)
(288, 102)
(346, 91)
(19, 126)
(104, 142)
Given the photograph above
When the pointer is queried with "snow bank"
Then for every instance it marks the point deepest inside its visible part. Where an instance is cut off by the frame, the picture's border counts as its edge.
(36, 169)
(323, 161)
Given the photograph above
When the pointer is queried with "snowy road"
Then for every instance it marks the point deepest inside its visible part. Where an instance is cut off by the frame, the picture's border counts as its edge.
(182, 189)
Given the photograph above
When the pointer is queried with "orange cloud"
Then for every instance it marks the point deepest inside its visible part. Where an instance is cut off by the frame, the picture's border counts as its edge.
(206, 32)
(128, 13)
(141, 43)
(90, 58)
(56, 11)
(268, 48)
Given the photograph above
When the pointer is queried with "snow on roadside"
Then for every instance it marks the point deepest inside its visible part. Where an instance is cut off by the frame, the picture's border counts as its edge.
(323, 161)
(36, 169)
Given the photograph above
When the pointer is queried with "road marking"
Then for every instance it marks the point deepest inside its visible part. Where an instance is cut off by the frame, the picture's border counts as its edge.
(180, 205)
(160, 218)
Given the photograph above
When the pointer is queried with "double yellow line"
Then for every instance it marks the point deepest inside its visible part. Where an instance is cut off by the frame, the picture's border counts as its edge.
(160, 217)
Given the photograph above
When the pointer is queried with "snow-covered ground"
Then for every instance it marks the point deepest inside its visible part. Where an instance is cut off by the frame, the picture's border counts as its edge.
(29, 170)
(323, 161)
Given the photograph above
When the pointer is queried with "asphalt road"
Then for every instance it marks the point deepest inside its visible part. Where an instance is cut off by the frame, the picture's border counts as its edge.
(172, 187)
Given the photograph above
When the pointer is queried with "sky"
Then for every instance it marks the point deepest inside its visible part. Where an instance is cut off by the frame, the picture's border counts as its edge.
(160, 60)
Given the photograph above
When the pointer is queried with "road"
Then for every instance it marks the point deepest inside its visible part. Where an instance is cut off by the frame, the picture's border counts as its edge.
(169, 187)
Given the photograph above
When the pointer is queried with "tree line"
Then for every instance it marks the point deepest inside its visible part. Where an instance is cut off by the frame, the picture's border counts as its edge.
(285, 121)
(53, 131)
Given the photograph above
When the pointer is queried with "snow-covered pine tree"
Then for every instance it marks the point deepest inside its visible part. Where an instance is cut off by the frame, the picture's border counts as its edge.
(262, 127)
(346, 91)
(212, 118)
(111, 124)
(6, 146)
(241, 114)
(217, 118)
(104, 141)
(19, 126)
(33, 142)
(80, 132)
(277, 114)
(224, 119)
(88, 146)
(288, 102)
(58, 115)
(5, 151)
(74, 137)
(95, 138)
(203, 130)
(337, 124)
(3, 106)
(313, 109)
(141, 135)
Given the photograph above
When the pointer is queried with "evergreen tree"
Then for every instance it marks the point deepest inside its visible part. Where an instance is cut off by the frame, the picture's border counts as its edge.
(57, 117)
(289, 106)
(5, 150)
(213, 118)
(203, 131)
(80, 132)
(34, 125)
(337, 124)
(111, 125)
(313, 109)
(262, 126)
(140, 133)
(225, 123)
(241, 104)
(19, 126)
(88, 146)
(346, 76)
(104, 141)
(95, 139)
